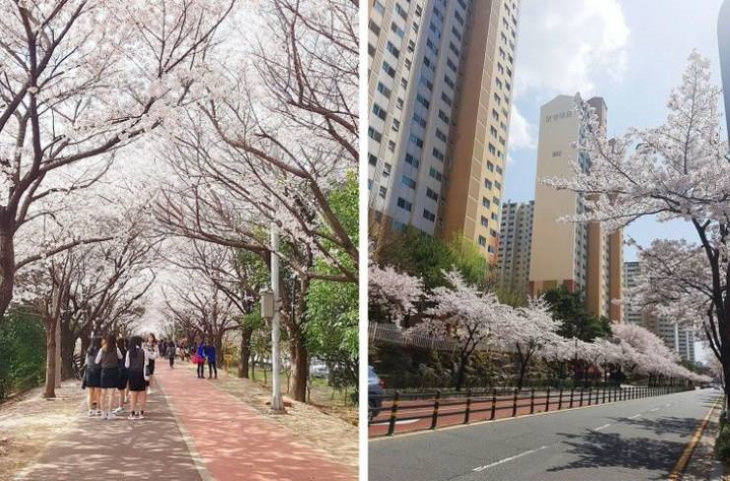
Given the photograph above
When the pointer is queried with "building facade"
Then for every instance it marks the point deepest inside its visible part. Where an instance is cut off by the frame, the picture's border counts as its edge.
(440, 90)
(515, 241)
(678, 338)
(581, 256)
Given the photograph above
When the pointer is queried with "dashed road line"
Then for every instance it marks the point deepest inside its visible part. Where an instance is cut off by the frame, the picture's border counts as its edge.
(511, 458)
(635, 416)
(653, 410)
(601, 427)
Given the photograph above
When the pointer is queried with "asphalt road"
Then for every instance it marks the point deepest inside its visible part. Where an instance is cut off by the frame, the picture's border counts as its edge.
(637, 440)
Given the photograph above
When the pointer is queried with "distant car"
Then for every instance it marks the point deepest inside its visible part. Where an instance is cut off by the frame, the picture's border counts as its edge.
(319, 370)
(375, 393)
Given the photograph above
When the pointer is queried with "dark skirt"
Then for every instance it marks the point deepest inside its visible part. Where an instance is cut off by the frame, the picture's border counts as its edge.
(123, 378)
(136, 380)
(110, 377)
(92, 376)
(151, 367)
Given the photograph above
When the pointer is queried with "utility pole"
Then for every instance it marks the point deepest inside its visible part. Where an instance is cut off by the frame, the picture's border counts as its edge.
(270, 305)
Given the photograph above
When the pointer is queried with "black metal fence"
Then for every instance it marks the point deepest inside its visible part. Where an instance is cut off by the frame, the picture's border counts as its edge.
(465, 407)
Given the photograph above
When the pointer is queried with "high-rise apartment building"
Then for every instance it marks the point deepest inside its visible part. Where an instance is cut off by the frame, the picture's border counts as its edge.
(632, 272)
(440, 90)
(515, 239)
(678, 338)
(580, 256)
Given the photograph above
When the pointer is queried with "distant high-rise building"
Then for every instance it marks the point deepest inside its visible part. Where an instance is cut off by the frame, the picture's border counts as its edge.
(677, 338)
(580, 256)
(440, 90)
(632, 273)
(515, 239)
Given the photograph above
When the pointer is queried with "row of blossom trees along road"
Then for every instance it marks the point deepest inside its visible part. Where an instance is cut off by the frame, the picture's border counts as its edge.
(146, 149)
(678, 170)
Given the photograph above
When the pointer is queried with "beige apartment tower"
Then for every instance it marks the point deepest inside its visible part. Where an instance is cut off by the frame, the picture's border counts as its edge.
(580, 256)
(440, 95)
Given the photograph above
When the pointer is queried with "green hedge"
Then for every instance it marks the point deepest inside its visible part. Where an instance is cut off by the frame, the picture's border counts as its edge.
(22, 352)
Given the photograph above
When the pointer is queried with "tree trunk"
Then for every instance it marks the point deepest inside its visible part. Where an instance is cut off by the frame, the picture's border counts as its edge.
(299, 366)
(461, 373)
(246, 333)
(7, 262)
(51, 356)
(523, 370)
(67, 354)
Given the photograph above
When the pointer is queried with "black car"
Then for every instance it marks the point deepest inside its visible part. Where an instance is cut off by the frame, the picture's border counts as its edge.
(375, 393)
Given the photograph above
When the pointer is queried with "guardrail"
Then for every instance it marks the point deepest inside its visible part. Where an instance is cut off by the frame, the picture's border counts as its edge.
(419, 411)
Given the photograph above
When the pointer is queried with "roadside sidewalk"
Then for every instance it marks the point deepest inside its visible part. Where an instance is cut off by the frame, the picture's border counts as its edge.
(236, 443)
(93, 449)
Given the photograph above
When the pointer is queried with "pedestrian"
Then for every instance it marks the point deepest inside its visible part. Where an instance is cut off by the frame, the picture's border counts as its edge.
(136, 362)
(210, 357)
(122, 389)
(92, 377)
(200, 359)
(171, 352)
(153, 353)
(108, 358)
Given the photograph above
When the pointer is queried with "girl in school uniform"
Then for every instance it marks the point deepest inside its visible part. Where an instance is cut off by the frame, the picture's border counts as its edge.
(136, 362)
(153, 352)
(108, 359)
(123, 346)
(92, 377)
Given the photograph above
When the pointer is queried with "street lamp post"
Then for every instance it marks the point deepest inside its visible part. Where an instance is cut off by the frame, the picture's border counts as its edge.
(270, 303)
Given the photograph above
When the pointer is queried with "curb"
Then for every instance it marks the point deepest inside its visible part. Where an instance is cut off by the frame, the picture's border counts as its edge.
(680, 467)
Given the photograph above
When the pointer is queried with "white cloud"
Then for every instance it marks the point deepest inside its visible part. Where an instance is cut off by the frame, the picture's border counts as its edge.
(566, 45)
(521, 132)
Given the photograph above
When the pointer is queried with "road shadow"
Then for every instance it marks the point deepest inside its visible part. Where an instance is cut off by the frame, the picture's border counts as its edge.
(118, 450)
(596, 450)
(663, 425)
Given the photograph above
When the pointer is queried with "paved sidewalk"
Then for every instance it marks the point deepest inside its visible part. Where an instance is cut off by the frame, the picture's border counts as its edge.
(119, 450)
(235, 443)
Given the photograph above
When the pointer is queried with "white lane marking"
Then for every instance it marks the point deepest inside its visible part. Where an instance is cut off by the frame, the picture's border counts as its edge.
(635, 416)
(653, 410)
(511, 458)
(601, 427)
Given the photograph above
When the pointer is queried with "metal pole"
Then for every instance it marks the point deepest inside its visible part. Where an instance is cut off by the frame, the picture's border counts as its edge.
(276, 402)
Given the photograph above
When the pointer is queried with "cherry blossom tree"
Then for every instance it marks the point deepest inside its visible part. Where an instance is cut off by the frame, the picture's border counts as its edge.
(678, 170)
(466, 315)
(79, 81)
(528, 331)
(394, 292)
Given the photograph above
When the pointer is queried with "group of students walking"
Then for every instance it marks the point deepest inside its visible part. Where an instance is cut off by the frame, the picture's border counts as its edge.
(121, 366)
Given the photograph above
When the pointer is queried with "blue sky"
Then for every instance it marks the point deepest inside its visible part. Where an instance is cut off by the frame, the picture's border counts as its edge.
(630, 52)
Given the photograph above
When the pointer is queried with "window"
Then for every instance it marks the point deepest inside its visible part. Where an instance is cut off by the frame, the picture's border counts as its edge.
(404, 204)
(431, 194)
(373, 159)
(486, 202)
(488, 184)
(386, 169)
(435, 174)
(438, 154)
(374, 134)
(379, 111)
(428, 215)
(408, 182)
(482, 241)
(382, 192)
(412, 160)
(417, 141)
(485, 221)
(392, 49)
(374, 28)
(388, 69)
(383, 89)
(397, 30)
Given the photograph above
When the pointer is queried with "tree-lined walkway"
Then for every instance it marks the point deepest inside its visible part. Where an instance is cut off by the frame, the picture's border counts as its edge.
(190, 421)
(238, 444)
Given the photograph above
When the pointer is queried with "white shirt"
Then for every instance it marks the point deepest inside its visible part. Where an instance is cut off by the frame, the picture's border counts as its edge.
(153, 352)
